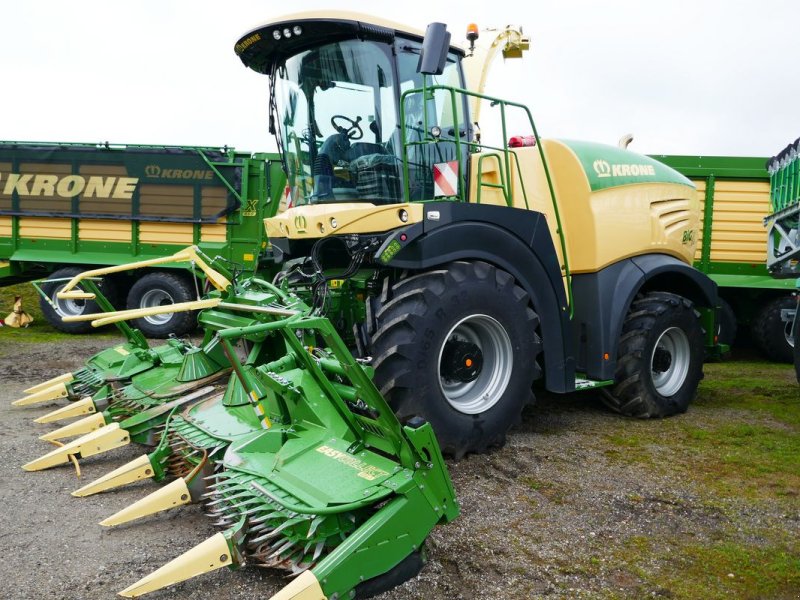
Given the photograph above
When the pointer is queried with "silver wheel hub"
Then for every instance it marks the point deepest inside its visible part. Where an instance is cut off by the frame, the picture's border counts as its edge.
(67, 307)
(670, 361)
(493, 355)
(153, 298)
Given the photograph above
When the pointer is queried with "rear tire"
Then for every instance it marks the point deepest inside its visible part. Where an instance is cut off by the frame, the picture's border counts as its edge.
(72, 307)
(458, 347)
(660, 358)
(157, 289)
(772, 335)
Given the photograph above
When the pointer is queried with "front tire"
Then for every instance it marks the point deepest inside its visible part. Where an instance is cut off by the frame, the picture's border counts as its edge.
(458, 346)
(660, 358)
(160, 288)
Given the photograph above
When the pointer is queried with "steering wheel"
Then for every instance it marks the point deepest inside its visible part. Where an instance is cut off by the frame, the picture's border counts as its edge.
(353, 129)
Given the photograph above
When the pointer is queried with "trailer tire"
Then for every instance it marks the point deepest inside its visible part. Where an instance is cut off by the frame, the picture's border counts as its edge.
(770, 334)
(726, 328)
(796, 333)
(72, 307)
(458, 346)
(659, 359)
(159, 288)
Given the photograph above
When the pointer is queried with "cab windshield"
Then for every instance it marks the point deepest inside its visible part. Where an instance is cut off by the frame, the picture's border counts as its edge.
(337, 110)
(338, 123)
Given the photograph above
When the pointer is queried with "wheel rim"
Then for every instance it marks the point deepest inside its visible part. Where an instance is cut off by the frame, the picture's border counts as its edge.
(152, 299)
(670, 360)
(67, 307)
(787, 332)
(485, 389)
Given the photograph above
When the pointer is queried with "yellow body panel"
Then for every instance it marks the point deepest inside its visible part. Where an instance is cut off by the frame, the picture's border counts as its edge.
(601, 227)
(45, 228)
(737, 231)
(216, 232)
(5, 226)
(157, 233)
(314, 221)
(104, 230)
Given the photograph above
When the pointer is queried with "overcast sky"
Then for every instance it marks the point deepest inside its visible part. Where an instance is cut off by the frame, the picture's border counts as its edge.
(685, 77)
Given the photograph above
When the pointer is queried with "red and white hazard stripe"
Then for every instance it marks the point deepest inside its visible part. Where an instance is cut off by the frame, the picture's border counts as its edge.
(445, 179)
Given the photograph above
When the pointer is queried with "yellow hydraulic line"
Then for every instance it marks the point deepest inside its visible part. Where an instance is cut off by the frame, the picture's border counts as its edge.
(136, 470)
(210, 555)
(186, 255)
(104, 439)
(54, 392)
(65, 378)
(100, 319)
(80, 427)
(84, 406)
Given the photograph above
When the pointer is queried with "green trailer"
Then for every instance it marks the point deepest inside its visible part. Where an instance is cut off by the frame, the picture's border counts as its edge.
(735, 195)
(68, 207)
(783, 232)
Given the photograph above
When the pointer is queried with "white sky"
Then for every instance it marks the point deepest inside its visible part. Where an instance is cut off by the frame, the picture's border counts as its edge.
(685, 77)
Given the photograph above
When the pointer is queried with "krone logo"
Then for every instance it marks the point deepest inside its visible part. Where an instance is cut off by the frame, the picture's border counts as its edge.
(300, 224)
(152, 170)
(602, 168)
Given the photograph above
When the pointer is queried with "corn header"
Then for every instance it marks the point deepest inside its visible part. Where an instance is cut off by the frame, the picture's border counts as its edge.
(279, 432)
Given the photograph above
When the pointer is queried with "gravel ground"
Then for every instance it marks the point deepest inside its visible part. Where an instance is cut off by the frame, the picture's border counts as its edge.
(546, 516)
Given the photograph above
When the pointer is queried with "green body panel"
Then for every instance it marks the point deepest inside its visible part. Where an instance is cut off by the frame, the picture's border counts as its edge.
(742, 280)
(610, 166)
(187, 187)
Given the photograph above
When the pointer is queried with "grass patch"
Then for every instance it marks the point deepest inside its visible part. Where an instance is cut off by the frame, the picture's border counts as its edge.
(740, 438)
(723, 569)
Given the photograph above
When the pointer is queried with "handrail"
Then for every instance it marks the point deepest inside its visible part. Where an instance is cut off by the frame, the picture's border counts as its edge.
(426, 91)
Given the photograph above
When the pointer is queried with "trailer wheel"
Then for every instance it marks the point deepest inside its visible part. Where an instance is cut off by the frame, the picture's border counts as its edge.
(772, 335)
(660, 358)
(64, 308)
(160, 288)
(458, 346)
(796, 332)
(726, 327)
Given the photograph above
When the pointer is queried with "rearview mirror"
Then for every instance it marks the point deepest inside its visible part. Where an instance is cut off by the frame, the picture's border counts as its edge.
(434, 49)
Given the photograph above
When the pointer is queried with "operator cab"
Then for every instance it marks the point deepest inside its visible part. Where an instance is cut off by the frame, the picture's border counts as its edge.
(335, 90)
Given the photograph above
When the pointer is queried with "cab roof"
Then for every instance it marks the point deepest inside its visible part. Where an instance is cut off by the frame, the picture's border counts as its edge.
(262, 46)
